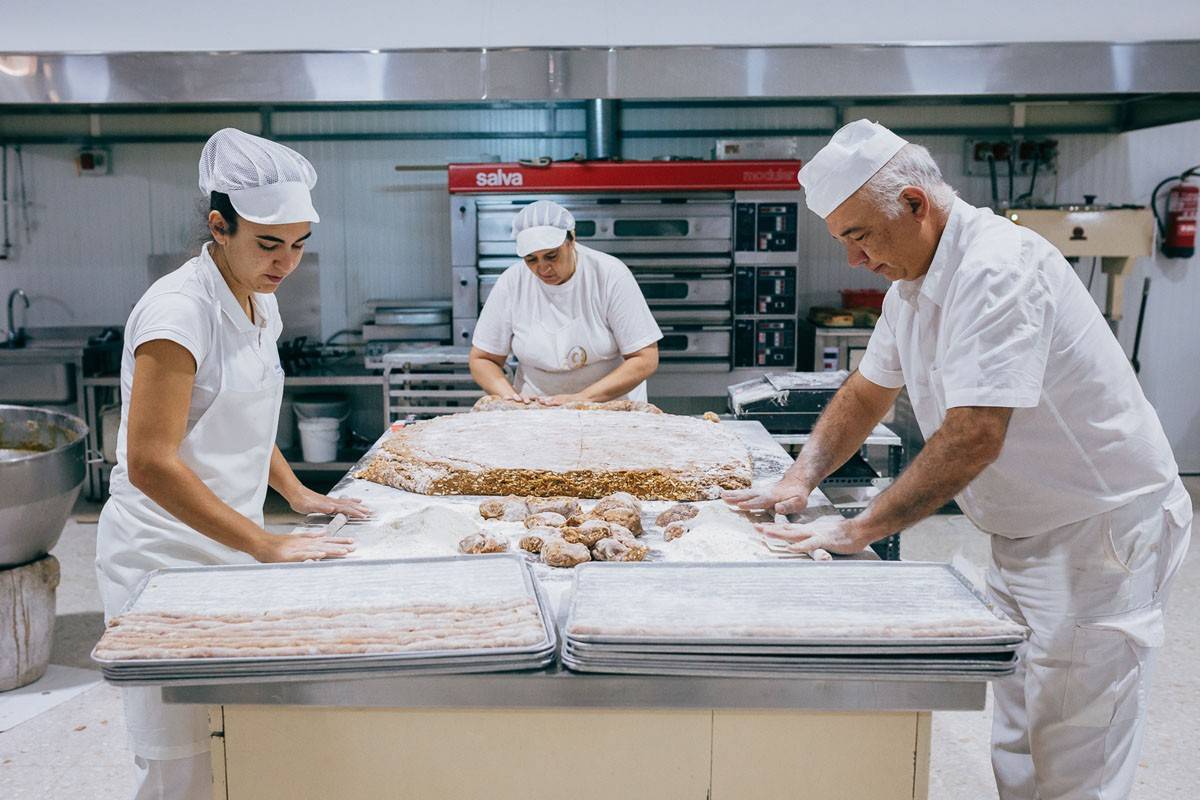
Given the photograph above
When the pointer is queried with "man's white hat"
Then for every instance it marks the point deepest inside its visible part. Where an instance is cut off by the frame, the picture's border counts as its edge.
(541, 226)
(854, 154)
(267, 182)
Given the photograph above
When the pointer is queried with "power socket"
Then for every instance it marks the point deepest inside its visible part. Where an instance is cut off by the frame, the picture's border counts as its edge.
(1025, 153)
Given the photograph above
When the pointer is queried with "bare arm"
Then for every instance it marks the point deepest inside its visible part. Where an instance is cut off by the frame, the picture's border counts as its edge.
(488, 371)
(637, 367)
(843, 427)
(303, 500)
(164, 373)
(969, 440)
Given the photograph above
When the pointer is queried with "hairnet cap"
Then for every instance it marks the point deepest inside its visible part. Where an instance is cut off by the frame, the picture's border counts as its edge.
(541, 226)
(267, 182)
(855, 153)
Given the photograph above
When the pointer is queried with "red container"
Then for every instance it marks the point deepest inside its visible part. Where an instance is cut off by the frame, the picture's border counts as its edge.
(862, 298)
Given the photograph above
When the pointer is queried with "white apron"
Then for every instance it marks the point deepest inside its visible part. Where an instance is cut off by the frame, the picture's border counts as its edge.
(566, 360)
(229, 449)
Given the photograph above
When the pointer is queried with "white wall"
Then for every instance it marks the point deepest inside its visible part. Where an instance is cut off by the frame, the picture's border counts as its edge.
(174, 25)
(386, 233)
(1170, 352)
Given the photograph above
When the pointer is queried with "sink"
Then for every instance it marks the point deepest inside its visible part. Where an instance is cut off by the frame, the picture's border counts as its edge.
(33, 381)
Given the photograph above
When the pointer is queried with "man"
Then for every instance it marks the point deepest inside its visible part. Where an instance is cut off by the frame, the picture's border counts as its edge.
(1036, 425)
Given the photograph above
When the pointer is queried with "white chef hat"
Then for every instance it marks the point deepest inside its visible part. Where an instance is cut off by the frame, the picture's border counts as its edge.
(541, 226)
(267, 182)
(855, 153)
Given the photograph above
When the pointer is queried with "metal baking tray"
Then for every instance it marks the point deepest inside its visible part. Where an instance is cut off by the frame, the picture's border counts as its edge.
(533, 590)
(813, 674)
(265, 668)
(586, 648)
(345, 672)
(930, 665)
(630, 571)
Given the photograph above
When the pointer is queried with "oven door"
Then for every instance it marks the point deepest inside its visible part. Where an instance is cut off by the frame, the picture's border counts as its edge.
(699, 289)
(627, 225)
(699, 344)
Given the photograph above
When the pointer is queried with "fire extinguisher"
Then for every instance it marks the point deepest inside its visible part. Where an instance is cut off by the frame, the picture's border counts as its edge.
(1178, 231)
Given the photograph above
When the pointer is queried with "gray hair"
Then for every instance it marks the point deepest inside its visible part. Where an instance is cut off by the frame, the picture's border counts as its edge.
(911, 166)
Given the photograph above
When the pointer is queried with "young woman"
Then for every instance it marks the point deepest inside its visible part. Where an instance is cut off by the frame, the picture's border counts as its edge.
(201, 387)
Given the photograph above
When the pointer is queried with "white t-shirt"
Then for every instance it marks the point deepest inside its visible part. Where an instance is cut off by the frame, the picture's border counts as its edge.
(569, 336)
(1001, 319)
(194, 307)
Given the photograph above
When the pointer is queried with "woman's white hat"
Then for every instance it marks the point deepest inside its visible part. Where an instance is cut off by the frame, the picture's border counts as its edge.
(267, 182)
(541, 226)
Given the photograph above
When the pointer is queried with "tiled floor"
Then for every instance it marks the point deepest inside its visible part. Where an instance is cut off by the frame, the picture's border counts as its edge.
(77, 750)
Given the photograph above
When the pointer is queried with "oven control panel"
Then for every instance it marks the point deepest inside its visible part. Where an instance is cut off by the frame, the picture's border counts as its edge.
(765, 343)
(765, 227)
(765, 290)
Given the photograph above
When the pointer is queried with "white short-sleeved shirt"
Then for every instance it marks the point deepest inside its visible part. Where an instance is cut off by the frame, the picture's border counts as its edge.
(1001, 319)
(569, 336)
(194, 307)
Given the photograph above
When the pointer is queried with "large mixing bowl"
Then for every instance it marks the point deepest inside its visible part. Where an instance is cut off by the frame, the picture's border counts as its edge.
(42, 467)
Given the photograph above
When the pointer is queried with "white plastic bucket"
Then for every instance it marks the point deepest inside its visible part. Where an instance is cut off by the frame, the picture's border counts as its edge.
(319, 439)
(324, 406)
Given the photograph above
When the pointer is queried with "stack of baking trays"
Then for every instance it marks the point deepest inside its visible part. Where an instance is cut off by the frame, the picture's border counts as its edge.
(253, 622)
(909, 620)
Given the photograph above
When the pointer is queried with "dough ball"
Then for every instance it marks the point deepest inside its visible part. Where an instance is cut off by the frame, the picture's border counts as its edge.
(558, 552)
(588, 533)
(567, 506)
(509, 509)
(623, 549)
(618, 500)
(622, 516)
(546, 519)
(676, 529)
(478, 543)
(532, 543)
(676, 513)
(710, 416)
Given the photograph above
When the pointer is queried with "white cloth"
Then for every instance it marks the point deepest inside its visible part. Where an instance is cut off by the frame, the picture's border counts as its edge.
(541, 225)
(1000, 319)
(1068, 725)
(267, 182)
(187, 778)
(569, 336)
(839, 169)
(228, 446)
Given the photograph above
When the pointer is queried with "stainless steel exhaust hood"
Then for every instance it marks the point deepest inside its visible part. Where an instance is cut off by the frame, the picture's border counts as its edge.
(655, 73)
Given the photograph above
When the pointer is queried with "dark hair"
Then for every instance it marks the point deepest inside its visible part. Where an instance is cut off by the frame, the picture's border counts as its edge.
(219, 202)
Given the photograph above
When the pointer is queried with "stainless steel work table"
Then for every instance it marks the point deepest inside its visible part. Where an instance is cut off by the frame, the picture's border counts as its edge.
(552, 733)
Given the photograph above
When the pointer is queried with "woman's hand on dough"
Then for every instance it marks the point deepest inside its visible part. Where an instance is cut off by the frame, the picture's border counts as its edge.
(842, 538)
(783, 497)
(309, 502)
(560, 399)
(280, 547)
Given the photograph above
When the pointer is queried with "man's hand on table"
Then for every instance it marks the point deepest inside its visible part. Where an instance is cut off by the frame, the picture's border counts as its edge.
(784, 497)
(842, 537)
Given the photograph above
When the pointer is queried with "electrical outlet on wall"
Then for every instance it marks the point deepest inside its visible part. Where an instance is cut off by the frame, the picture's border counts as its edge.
(1027, 154)
(93, 161)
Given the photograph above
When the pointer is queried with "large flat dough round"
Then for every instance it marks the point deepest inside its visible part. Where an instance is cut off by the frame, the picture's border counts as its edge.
(547, 452)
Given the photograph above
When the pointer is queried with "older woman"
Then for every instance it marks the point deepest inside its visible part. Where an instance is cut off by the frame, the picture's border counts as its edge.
(201, 388)
(574, 318)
